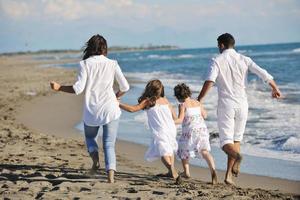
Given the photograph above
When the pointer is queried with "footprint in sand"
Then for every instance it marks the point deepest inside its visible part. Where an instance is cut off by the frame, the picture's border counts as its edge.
(158, 193)
(131, 190)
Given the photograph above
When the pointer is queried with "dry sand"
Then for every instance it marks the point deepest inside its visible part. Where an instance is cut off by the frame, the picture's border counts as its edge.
(44, 157)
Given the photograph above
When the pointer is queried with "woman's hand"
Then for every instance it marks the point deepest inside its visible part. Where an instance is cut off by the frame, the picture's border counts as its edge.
(54, 86)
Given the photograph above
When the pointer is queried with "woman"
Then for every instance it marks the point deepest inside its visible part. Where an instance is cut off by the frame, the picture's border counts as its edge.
(96, 76)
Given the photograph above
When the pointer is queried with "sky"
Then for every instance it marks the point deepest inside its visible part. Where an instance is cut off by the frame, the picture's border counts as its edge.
(68, 24)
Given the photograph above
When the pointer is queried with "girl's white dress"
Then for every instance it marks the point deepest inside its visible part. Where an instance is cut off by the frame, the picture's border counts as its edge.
(195, 136)
(163, 131)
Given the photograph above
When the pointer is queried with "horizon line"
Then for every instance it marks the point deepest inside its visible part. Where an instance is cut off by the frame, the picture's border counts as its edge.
(138, 48)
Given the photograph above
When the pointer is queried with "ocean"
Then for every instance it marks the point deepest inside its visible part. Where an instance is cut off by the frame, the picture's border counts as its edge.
(271, 142)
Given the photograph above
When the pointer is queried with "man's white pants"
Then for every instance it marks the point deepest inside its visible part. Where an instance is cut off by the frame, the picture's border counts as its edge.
(232, 123)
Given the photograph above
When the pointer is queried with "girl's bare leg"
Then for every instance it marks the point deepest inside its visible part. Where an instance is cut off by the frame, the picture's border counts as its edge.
(211, 164)
(186, 168)
(167, 161)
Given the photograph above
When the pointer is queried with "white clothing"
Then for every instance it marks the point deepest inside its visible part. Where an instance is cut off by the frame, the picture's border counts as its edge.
(195, 136)
(96, 75)
(232, 124)
(163, 130)
(229, 71)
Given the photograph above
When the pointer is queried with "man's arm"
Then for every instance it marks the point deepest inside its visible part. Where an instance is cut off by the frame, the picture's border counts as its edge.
(264, 75)
(206, 87)
(275, 90)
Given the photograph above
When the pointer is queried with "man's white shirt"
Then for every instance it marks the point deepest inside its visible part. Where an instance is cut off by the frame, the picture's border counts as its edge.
(229, 72)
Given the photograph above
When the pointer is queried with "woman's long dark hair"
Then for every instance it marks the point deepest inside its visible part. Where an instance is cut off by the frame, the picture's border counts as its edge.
(153, 91)
(96, 45)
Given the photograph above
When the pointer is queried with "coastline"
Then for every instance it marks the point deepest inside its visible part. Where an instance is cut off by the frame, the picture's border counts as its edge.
(43, 156)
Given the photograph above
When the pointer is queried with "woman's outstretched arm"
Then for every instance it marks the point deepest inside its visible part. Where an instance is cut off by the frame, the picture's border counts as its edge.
(134, 108)
(64, 88)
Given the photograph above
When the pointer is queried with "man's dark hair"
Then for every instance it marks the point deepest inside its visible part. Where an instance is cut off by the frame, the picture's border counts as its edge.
(227, 40)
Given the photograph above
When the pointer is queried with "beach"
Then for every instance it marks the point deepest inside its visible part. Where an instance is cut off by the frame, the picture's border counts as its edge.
(43, 155)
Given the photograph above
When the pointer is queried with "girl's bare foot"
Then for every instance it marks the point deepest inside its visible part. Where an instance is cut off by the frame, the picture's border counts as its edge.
(214, 177)
(228, 180)
(110, 176)
(174, 172)
(185, 175)
(236, 165)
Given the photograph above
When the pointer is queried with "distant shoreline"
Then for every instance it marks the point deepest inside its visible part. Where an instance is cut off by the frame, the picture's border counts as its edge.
(130, 49)
(111, 49)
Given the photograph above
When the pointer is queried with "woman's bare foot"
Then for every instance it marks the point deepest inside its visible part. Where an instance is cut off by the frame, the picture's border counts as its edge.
(96, 164)
(236, 165)
(111, 176)
(214, 178)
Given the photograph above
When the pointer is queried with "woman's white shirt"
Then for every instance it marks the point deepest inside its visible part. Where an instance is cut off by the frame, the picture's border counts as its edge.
(96, 76)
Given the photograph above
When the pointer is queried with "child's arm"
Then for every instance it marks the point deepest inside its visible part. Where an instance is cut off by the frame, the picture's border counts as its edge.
(203, 111)
(173, 112)
(134, 108)
(180, 118)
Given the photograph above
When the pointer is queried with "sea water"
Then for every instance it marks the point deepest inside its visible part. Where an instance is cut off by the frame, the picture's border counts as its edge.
(271, 143)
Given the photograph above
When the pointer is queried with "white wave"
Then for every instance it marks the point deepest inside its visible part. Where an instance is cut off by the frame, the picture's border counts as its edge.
(244, 51)
(297, 50)
(292, 144)
(168, 79)
(155, 56)
(142, 118)
(186, 56)
(167, 57)
(266, 153)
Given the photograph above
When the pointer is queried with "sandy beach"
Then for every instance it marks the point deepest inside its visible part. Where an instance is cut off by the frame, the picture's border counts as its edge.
(43, 156)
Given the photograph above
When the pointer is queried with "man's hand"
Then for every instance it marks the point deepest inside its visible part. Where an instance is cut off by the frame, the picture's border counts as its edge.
(276, 93)
(54, 86)
(205, 88)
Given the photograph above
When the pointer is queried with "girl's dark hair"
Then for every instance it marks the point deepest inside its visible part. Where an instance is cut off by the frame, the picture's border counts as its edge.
(182, 91)
(153, 91)
(96, 45)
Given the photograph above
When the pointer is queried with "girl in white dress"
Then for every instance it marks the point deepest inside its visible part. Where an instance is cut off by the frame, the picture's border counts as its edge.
(194, 140)
(161, 122)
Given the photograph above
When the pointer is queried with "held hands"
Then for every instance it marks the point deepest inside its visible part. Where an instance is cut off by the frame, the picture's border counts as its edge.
(54, 86)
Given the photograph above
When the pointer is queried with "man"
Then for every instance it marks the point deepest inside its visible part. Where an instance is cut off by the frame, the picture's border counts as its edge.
(229, 72)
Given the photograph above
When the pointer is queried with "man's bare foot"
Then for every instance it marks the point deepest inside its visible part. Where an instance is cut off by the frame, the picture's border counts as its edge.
(214, 178)
(110, 176)
(236, 166)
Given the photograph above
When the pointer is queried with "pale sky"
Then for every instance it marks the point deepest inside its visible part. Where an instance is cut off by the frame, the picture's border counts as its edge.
(68, 24)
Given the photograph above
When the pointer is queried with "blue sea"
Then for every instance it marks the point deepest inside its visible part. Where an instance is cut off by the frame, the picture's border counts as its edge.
(271, 142)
